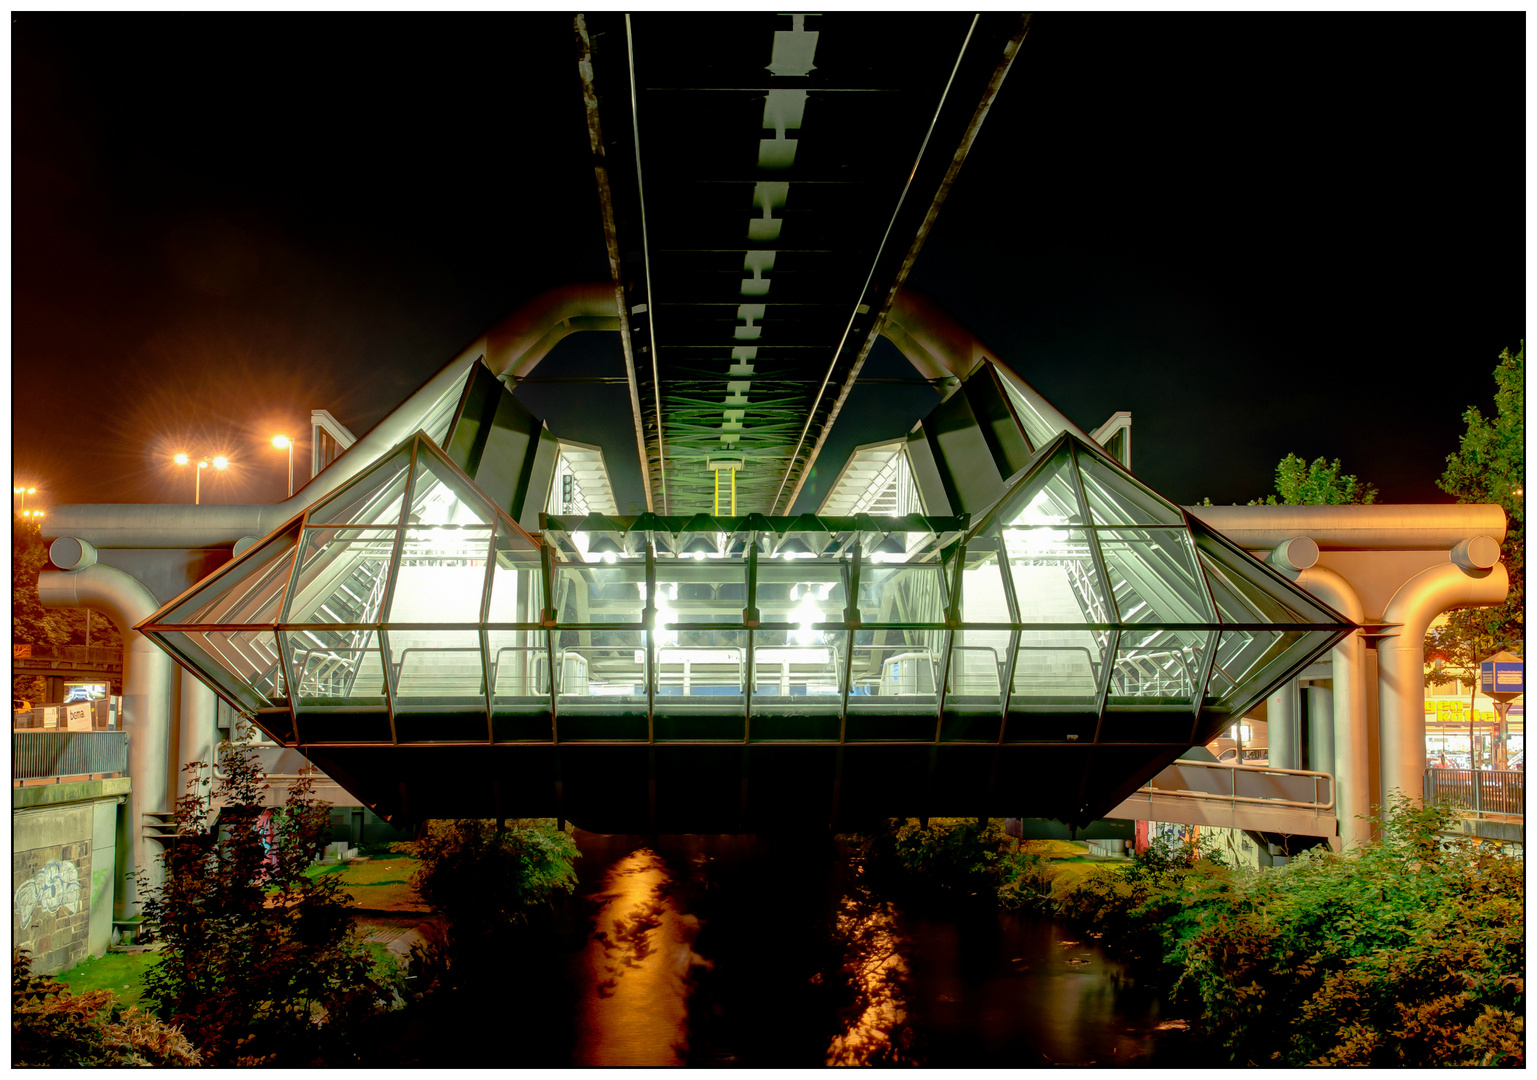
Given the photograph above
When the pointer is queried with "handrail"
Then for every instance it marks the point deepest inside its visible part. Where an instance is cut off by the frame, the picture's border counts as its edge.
(1234, 770)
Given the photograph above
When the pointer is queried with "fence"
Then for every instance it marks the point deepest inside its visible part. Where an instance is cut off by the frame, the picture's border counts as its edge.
(1480, 791)
(72, 654)
(103, 713)
(41, 755)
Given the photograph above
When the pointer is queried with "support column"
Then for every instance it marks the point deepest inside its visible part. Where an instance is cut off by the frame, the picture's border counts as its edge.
(1401, 661)
(1351, 756)
(1281, 722)
(199, 727)
(1320, 713)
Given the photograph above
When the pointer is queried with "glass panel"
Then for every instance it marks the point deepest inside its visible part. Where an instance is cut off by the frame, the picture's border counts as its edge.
(520, 665)
(978, 661)
(1037, 430)
(249, 590)
(1249, 662)
(1153, 574)
(370, 499)
(803, 592)
(607, 664)
(708, 591)
(605, 593)
(902, 594)
(443, 497)
(1059, 668)
(435, 423)
(342, 575)
(252, 655)
(517, 579)
(442, 575)
(1158, 667)
(194, 649)
(1116, 499)
(704, 664)
(436, 668)
(1247, 590)
(1055, 579)
(799, 667)
(336, 667)
(983, 599)
(1048, 497)
(892, 664)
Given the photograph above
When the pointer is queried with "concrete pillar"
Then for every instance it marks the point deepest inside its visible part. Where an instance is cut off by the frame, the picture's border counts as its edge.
(1320, 715)
(1349, 709)
(1401, 662)
(199, 729)
(1281, 722)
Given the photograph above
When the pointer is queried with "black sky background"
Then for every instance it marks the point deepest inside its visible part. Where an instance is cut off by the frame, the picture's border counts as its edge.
(1260, 234)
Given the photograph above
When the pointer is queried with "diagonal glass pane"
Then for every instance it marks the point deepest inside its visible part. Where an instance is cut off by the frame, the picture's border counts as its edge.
(341, 576)
(442, 496)
(1116, 499)
(252, 656)
(245, 590)
(1158, 667)
(1048, 496)
(1254, 591)
(192, 649)
(442, 575)
(1152, 572)
(1250, 664)
(370, 499)
(1055, 579)
(1037, 429)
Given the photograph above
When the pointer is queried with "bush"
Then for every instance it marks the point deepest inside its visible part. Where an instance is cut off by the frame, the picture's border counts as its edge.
(1410, 952)
(260, 963)
(957, 856)
(51, 1026)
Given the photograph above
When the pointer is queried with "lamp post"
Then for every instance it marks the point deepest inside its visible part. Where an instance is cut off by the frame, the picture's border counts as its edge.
(219, 462)
(19, 499)
(282, 441)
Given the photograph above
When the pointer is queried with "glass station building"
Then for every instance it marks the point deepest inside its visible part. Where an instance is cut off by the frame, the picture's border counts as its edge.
(1082, 621)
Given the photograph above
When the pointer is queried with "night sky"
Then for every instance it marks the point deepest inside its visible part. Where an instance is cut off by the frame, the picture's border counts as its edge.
(1259, 234)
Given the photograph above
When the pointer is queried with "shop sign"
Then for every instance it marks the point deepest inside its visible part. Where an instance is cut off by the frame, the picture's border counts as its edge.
(1501, 677)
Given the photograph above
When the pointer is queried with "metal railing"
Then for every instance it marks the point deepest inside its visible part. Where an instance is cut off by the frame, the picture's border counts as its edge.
(41, 755)
(1478, 791)
(74, 654)
(1258, 784)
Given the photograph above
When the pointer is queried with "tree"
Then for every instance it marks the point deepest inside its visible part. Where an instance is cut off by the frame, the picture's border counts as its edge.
(260, 963)
(1490, 467)
(1319, 484)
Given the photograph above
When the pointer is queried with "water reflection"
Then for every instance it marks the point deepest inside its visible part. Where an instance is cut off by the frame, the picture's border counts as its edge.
(637, 968)
(875, 1033)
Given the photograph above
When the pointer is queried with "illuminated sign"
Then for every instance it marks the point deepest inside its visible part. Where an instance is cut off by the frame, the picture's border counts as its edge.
(1501, 677)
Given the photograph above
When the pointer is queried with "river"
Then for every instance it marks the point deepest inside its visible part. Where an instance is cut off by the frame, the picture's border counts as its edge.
(772, 952)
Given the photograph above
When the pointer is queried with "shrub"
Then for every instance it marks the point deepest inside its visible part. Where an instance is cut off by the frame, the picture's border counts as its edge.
(260, 963)
(51, 1026)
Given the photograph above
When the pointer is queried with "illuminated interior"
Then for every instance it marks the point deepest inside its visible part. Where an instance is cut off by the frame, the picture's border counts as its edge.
(406, 607)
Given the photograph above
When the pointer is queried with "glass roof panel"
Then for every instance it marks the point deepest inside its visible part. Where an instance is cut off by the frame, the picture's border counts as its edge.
(373, 498)
(1116, 499)
(192, 650)
(250, 589)
(1037, 429)
(1055, 579)
(1048, 496)
(1153, 574)
(1250, 663)
(252, 657)
(442, 575)
(443, 496)
(1254, 591)
(342, 576)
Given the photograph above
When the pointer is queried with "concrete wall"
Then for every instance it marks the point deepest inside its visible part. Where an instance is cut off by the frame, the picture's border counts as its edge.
(63, 856)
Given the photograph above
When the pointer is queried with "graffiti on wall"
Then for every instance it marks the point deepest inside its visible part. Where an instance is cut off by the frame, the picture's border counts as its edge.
(55, 886)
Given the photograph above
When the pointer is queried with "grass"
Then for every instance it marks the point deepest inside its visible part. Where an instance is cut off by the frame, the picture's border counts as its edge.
(122, 973)
(395, 870)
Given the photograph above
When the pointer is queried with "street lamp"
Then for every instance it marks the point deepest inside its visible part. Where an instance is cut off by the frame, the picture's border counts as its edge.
(19, 499)
(282, 441)
(220, 462)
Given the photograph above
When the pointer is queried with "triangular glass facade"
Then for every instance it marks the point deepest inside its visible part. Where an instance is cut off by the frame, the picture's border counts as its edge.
(407, 607)
(1122, 603)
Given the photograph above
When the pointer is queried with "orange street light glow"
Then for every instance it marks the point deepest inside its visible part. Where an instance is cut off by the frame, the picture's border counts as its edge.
(280, 441)
(180, 459)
